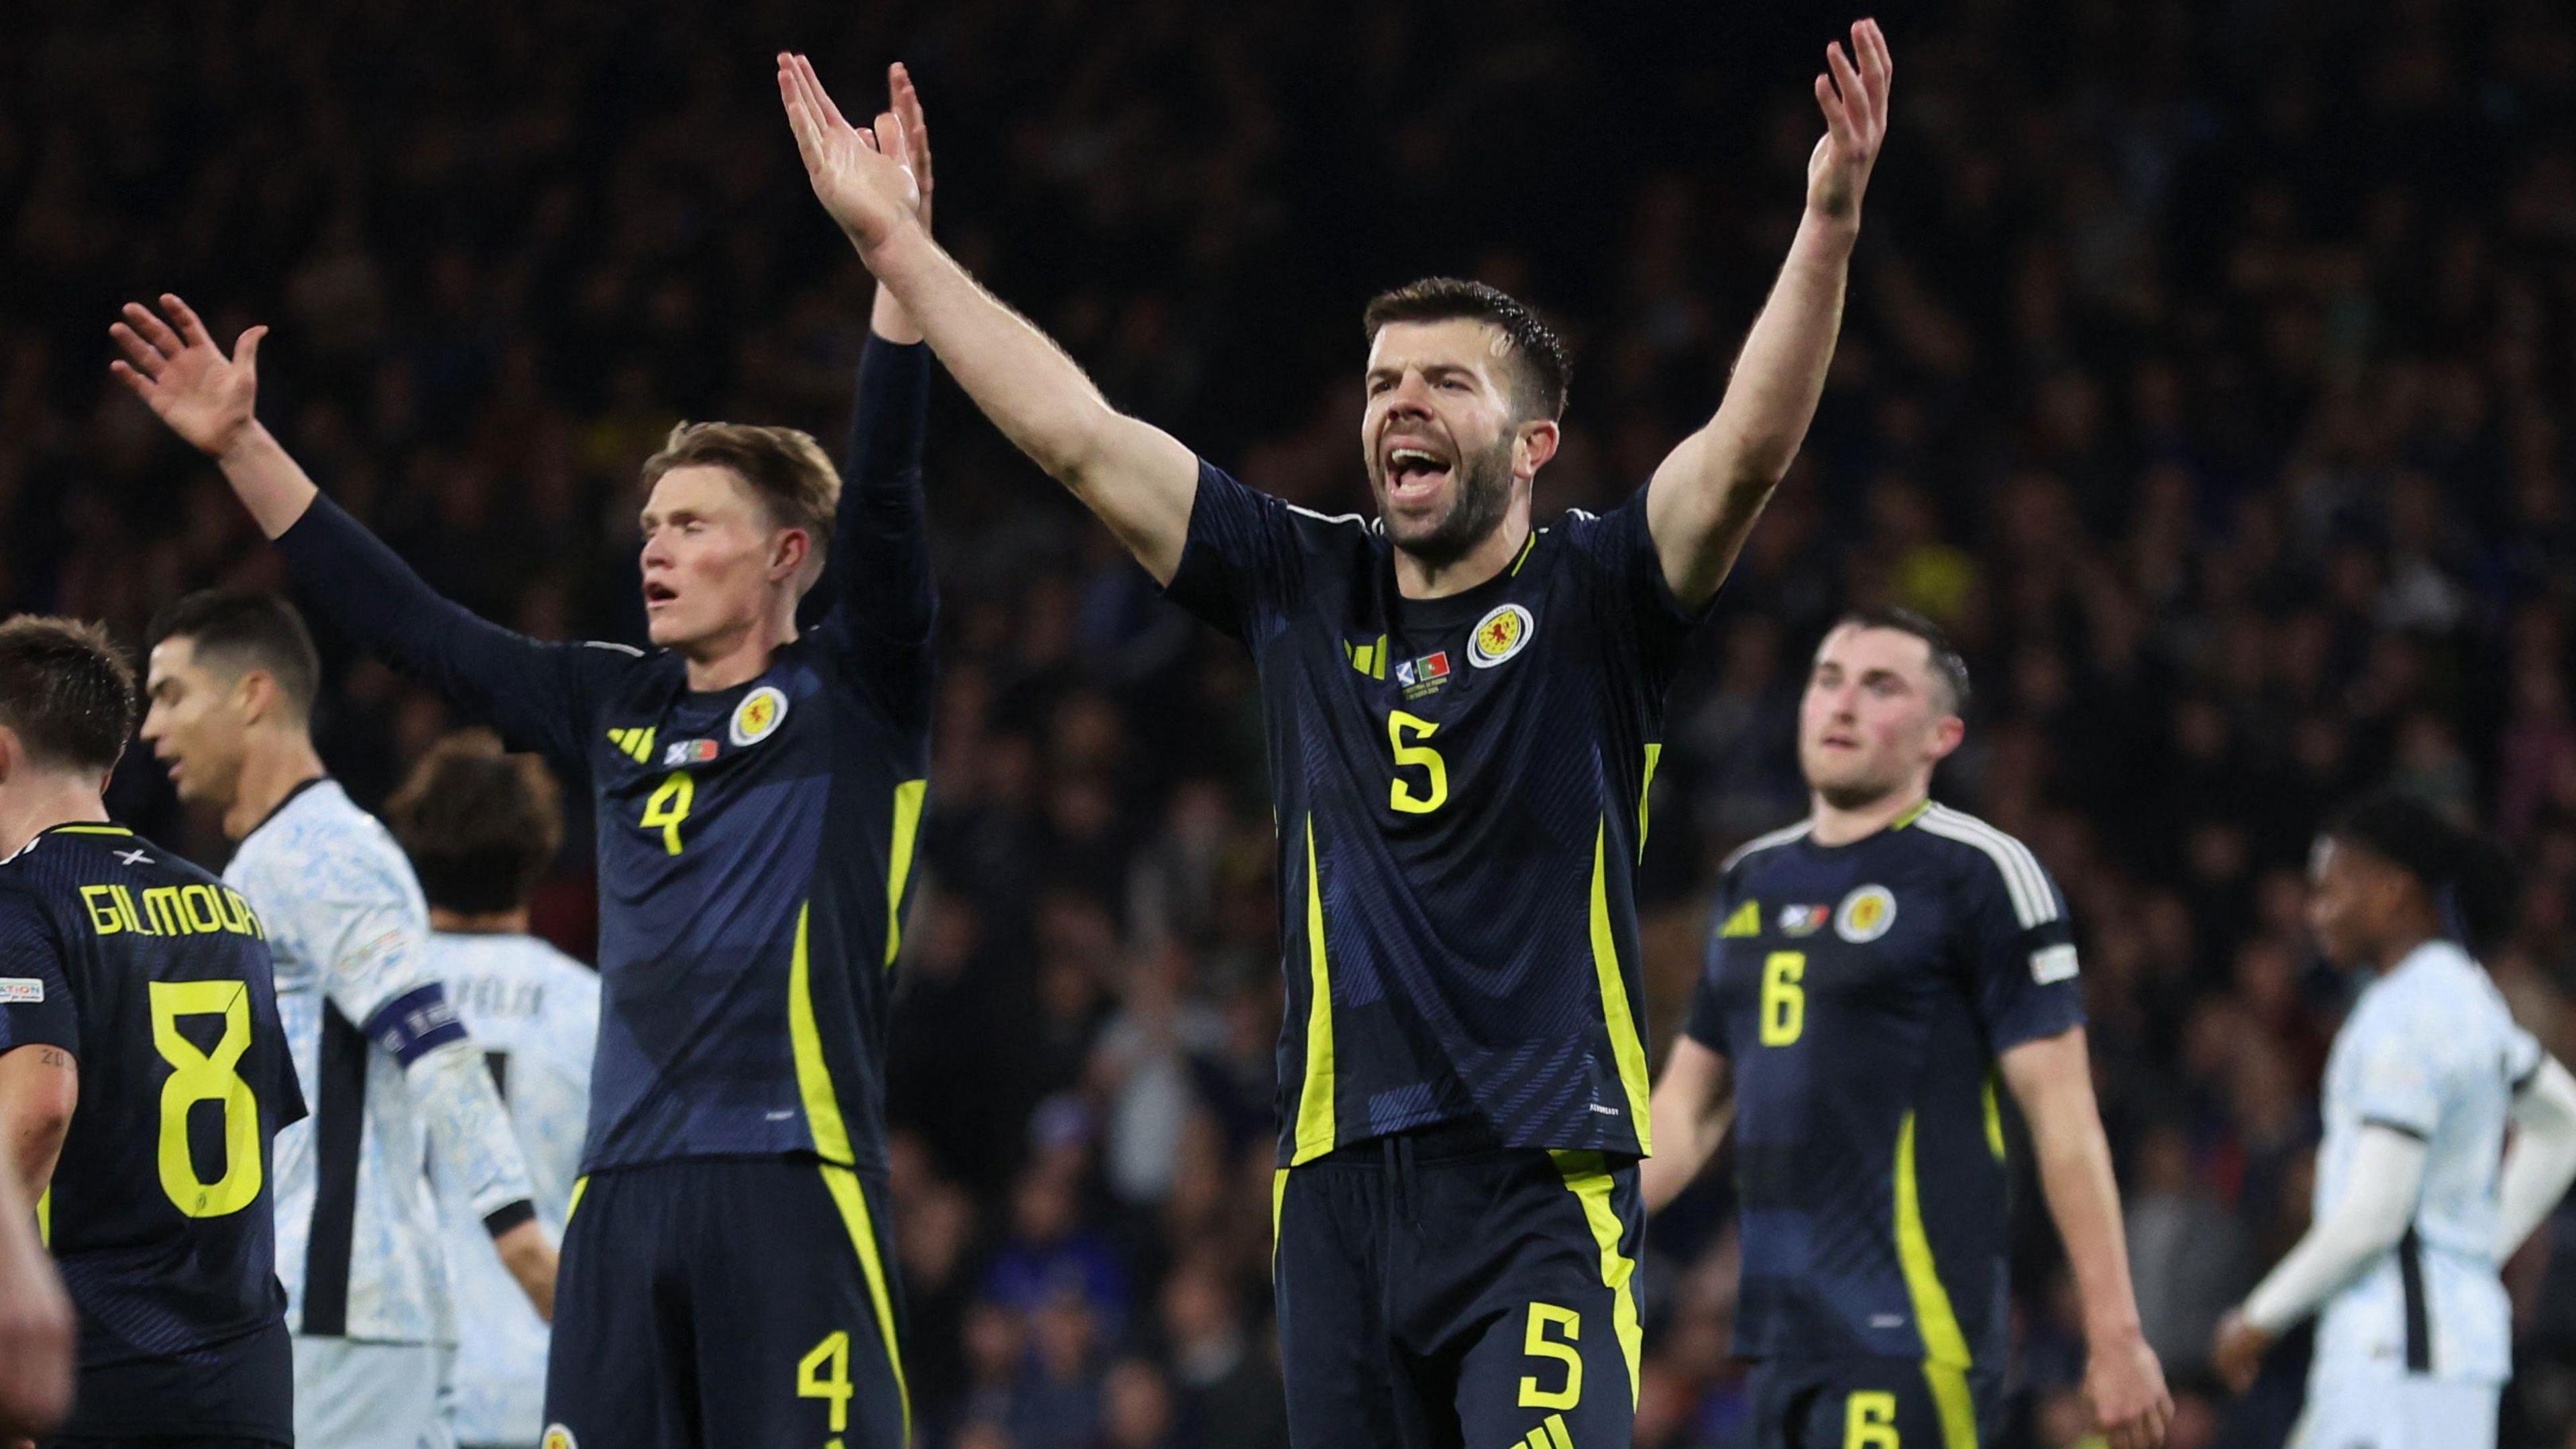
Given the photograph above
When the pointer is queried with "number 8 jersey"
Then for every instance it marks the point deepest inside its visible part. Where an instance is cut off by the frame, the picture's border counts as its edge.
(156, 978)
(1460, 785)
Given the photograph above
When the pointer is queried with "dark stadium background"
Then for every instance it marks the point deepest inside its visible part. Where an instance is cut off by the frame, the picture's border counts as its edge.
(2208, 370)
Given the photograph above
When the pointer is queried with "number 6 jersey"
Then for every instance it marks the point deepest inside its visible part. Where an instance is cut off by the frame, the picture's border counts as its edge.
(156, 978)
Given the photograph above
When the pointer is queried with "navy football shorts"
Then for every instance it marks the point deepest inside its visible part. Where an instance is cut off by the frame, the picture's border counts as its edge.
(1437, 1293)
(727, 1301)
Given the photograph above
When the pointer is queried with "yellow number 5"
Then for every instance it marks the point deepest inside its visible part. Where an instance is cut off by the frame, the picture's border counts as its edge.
(198, 1076)
(1784, 998)
(1399, 792)
(668, 806)
(825, 1374)
(1869, 1421)
(1537, 1344)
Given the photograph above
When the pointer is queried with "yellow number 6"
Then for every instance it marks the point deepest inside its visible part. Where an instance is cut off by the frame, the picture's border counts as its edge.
(1784, 999)
(1869, 1421)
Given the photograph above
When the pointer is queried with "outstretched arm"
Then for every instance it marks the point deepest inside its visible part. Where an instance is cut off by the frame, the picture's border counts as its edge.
(536, 693)
(2052, 1079)
(1704, 498)
(879, 576)
(1140, 480)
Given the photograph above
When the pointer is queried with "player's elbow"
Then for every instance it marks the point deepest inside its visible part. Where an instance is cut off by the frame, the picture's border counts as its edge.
(35, 1117)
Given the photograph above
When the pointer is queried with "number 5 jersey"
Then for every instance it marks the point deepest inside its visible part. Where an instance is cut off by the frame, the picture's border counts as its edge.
(156, 978)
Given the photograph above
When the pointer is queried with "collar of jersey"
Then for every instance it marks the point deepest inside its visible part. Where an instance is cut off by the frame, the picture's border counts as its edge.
(1449, 611)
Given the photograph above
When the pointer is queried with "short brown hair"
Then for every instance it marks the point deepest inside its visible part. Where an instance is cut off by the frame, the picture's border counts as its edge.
(481, 826)
(1537, 354)
(234, 631)
(67, 691)
(1949, 670)
(784, 468)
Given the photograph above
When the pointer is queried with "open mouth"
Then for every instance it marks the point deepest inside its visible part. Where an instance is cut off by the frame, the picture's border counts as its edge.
(658, 594)
(1414, 472)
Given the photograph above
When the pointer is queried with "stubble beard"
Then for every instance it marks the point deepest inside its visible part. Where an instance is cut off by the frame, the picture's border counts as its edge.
(1483, 496)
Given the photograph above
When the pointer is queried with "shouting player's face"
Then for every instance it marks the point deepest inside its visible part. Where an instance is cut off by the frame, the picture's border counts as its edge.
(198, 724)
(1445, 445)
(713, 560)
(1874, 720)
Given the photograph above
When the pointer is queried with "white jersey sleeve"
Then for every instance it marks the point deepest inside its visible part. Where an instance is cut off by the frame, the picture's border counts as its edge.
(358, 1243)
(534, 1014)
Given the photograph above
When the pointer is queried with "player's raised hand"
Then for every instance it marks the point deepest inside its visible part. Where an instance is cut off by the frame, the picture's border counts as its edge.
(1853, 95)
(184, 377)
(2131, 1405)
(863, 178)
(906, 99)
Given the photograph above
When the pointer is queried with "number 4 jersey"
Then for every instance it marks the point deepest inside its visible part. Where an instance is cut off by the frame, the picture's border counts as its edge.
(156, 978)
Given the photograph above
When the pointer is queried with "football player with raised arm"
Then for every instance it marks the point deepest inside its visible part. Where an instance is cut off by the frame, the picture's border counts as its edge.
(758, 780)
(1463, 711)
(1872, 970)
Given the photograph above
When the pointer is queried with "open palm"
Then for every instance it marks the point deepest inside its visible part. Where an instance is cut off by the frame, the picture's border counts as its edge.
(864, 178)
(1853, 96)
(184, 377)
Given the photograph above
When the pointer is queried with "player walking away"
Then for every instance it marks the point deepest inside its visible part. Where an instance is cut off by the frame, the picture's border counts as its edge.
(1463, 715)
(35, 1323)
(143, 1074)
(390, 1072)
(481, 827)
(758, 788)
(1873, 969)
(2413, 1217)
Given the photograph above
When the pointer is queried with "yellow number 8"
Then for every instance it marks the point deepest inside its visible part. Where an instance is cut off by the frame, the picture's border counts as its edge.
(197, 1076)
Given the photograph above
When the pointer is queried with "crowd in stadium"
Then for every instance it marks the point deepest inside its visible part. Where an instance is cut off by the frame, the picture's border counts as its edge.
(2207, 373)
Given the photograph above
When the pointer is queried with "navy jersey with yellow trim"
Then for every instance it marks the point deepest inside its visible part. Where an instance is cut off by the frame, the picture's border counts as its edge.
(754, 843)
(1861, 994)
(156, 978)
(1460, 789)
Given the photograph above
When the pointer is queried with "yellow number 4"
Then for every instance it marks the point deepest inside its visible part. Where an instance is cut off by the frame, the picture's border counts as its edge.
(1784, 998)
(668, 806)
(1869, 1421)
(825, 1374)
(1536, 1343)
(1399, 792)
(199, 1076)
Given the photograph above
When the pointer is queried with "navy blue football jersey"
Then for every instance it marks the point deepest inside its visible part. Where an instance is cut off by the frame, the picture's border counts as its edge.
(1460, 788)
(755, 843)
(1861, 994)
(155, 977)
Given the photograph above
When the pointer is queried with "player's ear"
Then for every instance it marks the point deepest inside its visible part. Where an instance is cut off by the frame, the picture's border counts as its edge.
(255, 695)
(1537, 443)
(789, 548)
(13, 754)
(1947, 733)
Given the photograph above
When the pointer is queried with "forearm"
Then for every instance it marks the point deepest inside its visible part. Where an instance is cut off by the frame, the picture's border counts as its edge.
(2385, 1178)
(1780, 374)
(2541, 1161)
(1033, 391)
(267, 479)
(1705, 497)
(470, 1137)
(2084, 1200)
(881, 539)
(39, 1089)
(1692, 1105)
